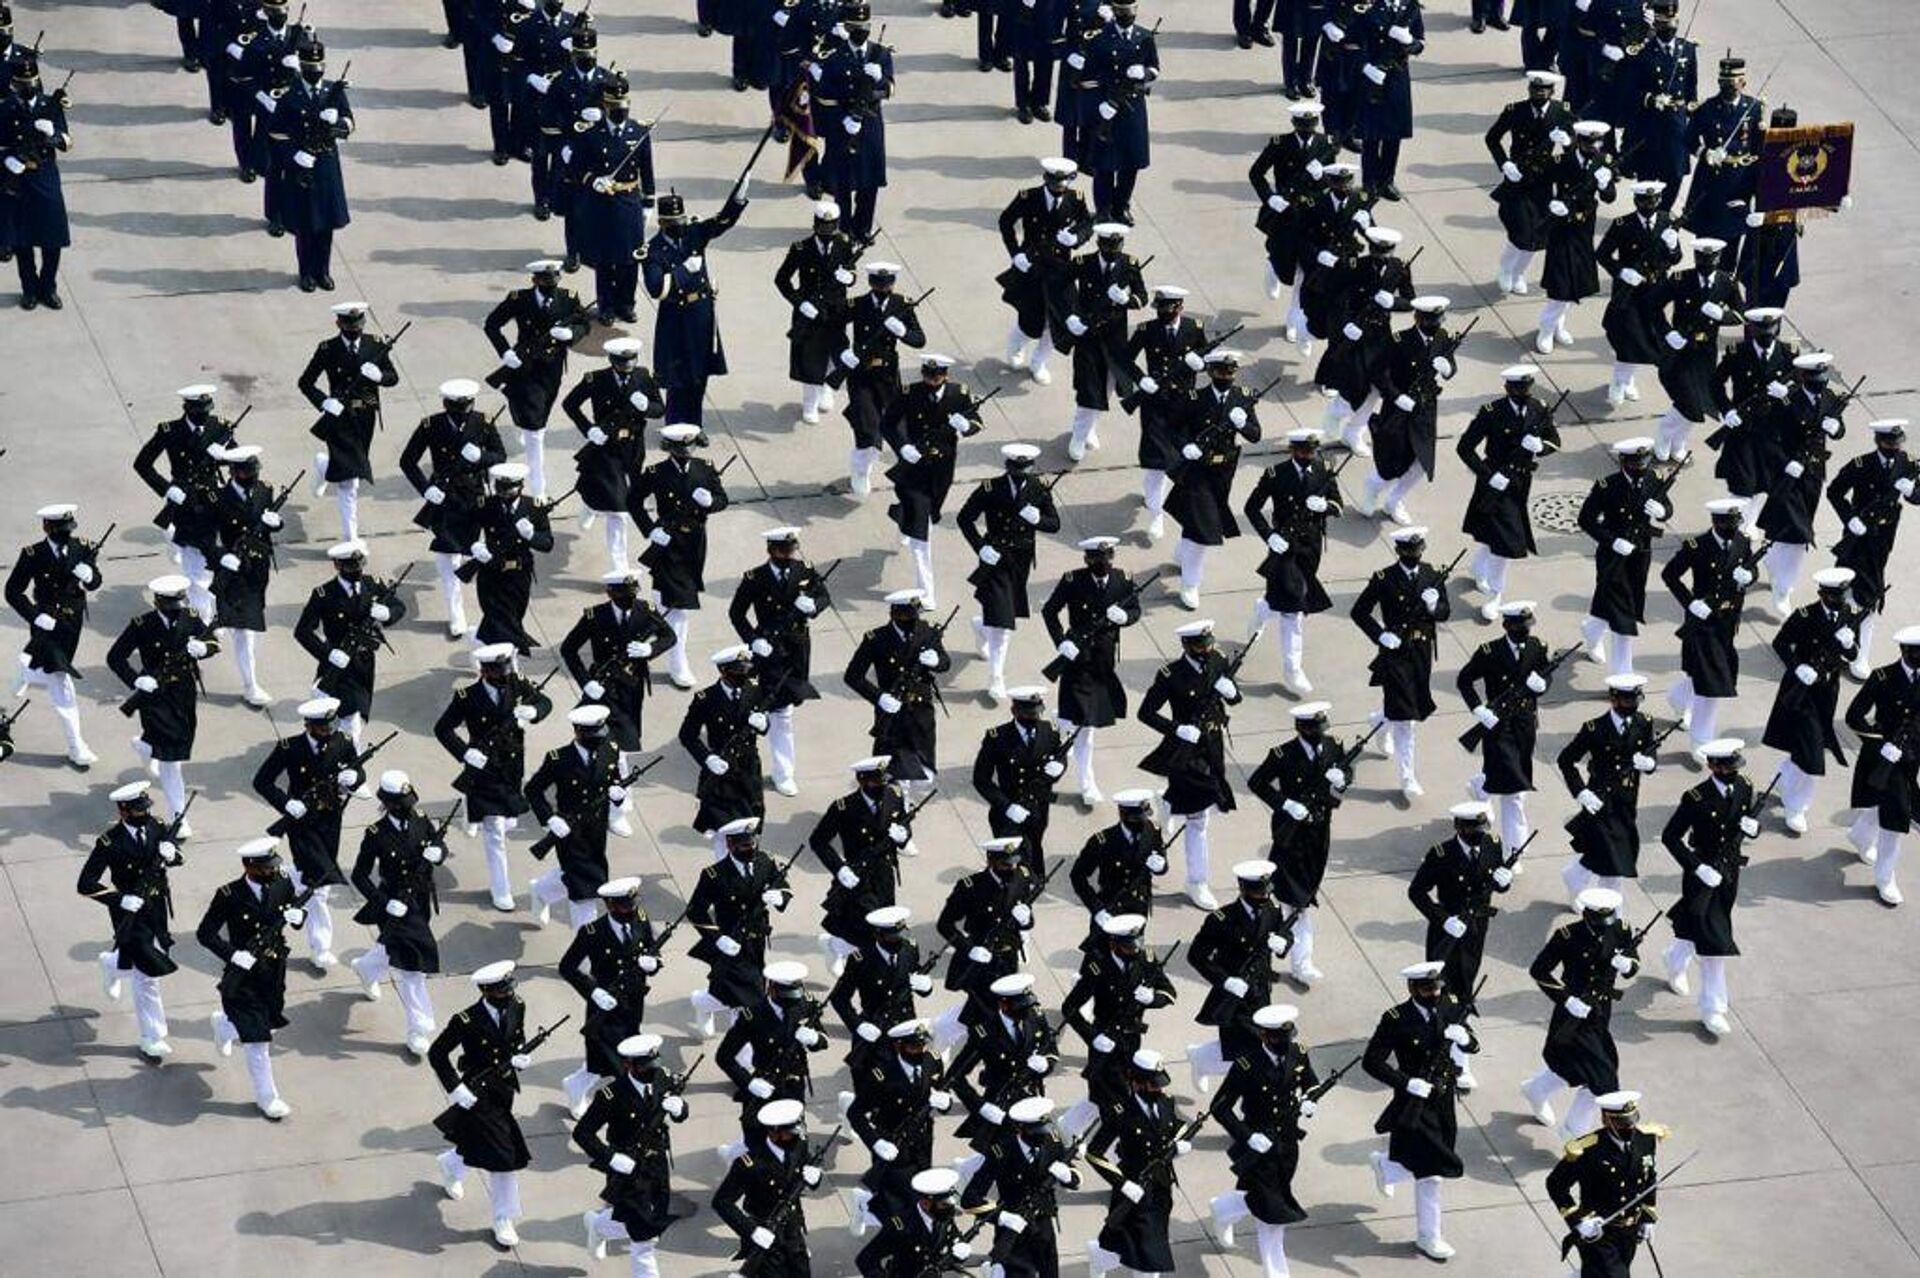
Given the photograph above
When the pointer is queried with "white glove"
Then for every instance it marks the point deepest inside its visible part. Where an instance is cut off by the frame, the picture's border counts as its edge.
(45, 621)
(807, 1036)
(1510, 171)
(759, 648)
(1193, 361)
(1590, 801)
(895, 325)
(1699, 609)
(1068, 650)
(939, 1100)
(296, 809)
(1486, 716)
(1351, 331)
(1557, 207)
(1631, 277)
(1578, 1008)
(557, 826)
(993, 1113)
(623, 1164)
(1712, 310)
(1108, 110)
(1403, 402)
(760, 1088)
(989, 556)
(660, 537)
(888, 703)
(523, 715)
(1622, 965)
(851, 124)
(1612, 52)
(899, 833)
(332, 407)
(702, 498)
(462, 1096)
(169, 852)
(1188, 733)
(1830, 426)
(1061, 1173)
(1892, 753)
(1603, 176)
(560, 333)
(1443, 366)
(524, 527)
(146, 683)
(1621, 546)
(1156, 864)
(14, 165)
(1036, 1064)
(762, 1238)
(1190, 451)
(1670, 238)
(597, 436)
(604, 1001)
(1236, 986)
(929, 658)
(805, 606)
(1326, 258)
(717, 765)
(303, 158)
(727, 946)
(1030, 514)
(1589, 1227)
(84, 572)
(602, 186)
(1295, 810)
(1066, 237)
(1535, 684)
(1502, 877)
(1457, 1035)
(1742, 577)
(1117, 295)
(433, 496)
(1389, 640)
(243, 959)
(1644, 763)
(474, 758)
(1499, 482)
(1277, 544)
(874, 72)
(1419, 1087)
(1795, 469)
(1017, 813)
(980, 954)
(132, 903)
(1707, 875)
(920, 983)
(1675, 341)
(175, 495)
(1133, 1191)
(1012, 1221)
(1022, 263)
(501, 43)
(1373, 73)
(1454, 926)
(1333, 31)
(1102, 1044)
(1806, 674)
(396, 908)
(1076, 326)
(1054, 769)
(1749, 826)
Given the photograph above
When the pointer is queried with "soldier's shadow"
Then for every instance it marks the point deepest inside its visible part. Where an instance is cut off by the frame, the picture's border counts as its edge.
(407, 1222)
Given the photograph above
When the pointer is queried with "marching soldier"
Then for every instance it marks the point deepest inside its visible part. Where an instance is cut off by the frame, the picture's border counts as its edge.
(1215, 421)
(1172, 345)
(1015, 770)
(127, 870)
(342, 626)
(1638, 251)
(572, 793)
(620, 637)
(1135, 1152)
(730, 909)
(306, 193)
(1405, 430)
(1377, 286)
(1013, 1044)
(1041, 227)
(1391, 33)
(1101, 288)
(1705, 836)
(170, 643)
(33, 131)
(1233, 953)
(879, 981)
(1582, 179)
(48, 589)
(1264, 1106)
(1616, 1177)
(246, 518)
(511, 529)
(1188, 705)
(924, 427)
(922, 1235)
(1867, 494)
(244, 927)
(1709, 576)
(610, 964)
(354, 367)
(622, 396)
(881, 322)
(1502, 683)
(1122, 62)
(1723, 138)
(1286, 179)
(1800, 426)
(1023, 1170)
(761, 1198)
(852, 83)
(1026, 47)
(814, 278)
(1751, 372)
(986, 917)
(1107, 1007)
(686, 326)
(625, 1135)
(1617, 748)
(1579, 971)
(1522, 142)
(547, 320)
(859, 839)
(1400, 610)
(772, 611)
(1886, 710)
(897, 1090)
(1098, 602)
(1665, 85)
(1503, 446)
(1302, 781)
(394, 874)
(193, 444)
(895, 669)
(721, 731)
(1623, 513)
(490, 1038)
(573, 85)
(1453, 889)
(610, 183)
(1115, 869)
(1000, 519)
(308, 780)
(764, 1053)
(1332, 233)
(461, 446)
(1700, 303)
(1814, 645)
(1303, 495)
(671, 504)
(1418, 1050)
(484, 727)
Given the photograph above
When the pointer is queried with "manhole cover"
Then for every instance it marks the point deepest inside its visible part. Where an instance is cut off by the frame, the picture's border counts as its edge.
(1557, 511)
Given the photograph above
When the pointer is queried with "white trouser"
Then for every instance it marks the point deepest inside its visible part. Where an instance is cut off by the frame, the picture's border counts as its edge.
(66, 706)
(450, 589)
(920, 551)
(1205, 1062)
(1082, 754)
(493, 842)
(1796, 788)
(1192, 558)
(1300, 954)
(1271, 1242)
(1400, 743)
(1785, 560)
(1553, 318)
(1492, 569)
(1623, 374)
(550, 889)
(503, 1188)
(1713, 976)
(810, 393)
(860, 469)
(346, 496)
(1085, 429)
(1514, 263)
(616, 534)
(678, 664)
(1511, 812)
(193, 566)
(1427, 1207)
(1704, 712)
(780, 743)
(1194, 841)
(1583, 1115)
(995, 639)
(1886, 857)
(1296, 315)
(1671, 435)
(641, 1253)
(533, 449)
(1100, 1261)
(1291, 640)
(1863, 654)
(260, 1072)
(1042, 353)
(1153, 490)
(1619, 646)
(319, 914)
(374, 967)
(1385, 494)
(245, 645)
(351, 724)
(149, 1013)
(1352, 422)
(172, 785)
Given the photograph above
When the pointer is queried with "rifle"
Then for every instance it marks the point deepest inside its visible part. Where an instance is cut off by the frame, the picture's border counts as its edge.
(388, 343)
(1158, 965)
(548, 507)
(91, 549)
(789, 1198)
(677, 1083)
(6, 724)
(1573, 1238)
(1520, 851)
(780, 871)
(931, 961)
(1328, 1083)
(1124, 1207)
(1641, 934)
(665, 934)
(1058, 666)
(766, 135)
(1446, 574)
(1470, 739)
(284, 823)
(533, 1045)
(1131, 401)
(446, 823)
(1352, 754)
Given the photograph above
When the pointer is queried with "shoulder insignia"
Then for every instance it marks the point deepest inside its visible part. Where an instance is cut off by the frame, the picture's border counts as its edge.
(1581, 1145)
(1659, 1131)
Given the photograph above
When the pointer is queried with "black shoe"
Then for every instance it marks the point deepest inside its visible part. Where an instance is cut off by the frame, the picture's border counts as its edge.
(500, 159)
(703, 31)
(478, 101)
(1388, 191)
(1245, 42)
(449, 41)
(572, 264)
(1263, 38)
(216, 116)
(6, 255)
(247, 175)
(541, 212)
(1023, 115)
(739, 84)
(189, 65)
(326, 283)
(1478, 25)
(1003, 63)
(946, 10)
(276, 230)
(984, 64)
(51, 301)
(604, 317)
(1042, 113)
(814, 191)
(781, 133)
(28, 301)
(306, 284)
(629, 316)
(1500, 24)
(1290, 93)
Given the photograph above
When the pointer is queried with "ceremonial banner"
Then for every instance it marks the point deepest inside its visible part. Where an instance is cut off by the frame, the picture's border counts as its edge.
(1805, 168)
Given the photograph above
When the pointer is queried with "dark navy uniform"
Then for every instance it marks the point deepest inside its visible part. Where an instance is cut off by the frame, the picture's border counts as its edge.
(250, 917)
(482, 717)
(1705, 830)
(170, 714)
(392, 866)
(442, 440)
(611, 408)
(33, 207)
(1578, 961)
(347, 436)
(1607, 842)
(729, 900)
(662, 502)
(127, 860)
(486, 1135)
(1183, 692)
(315, 771)
(686, 327)
(888, 663)
(725, 721)
(546, 323)
(610, 171)
(1263, 1094)
(851, 84)
(1122, 62)
(628, 1116)
(1410, 1042)
(617, 957)
(603, 635)
(1613, 1179)
(1091, 692)
(1404, 674)
(573, 784)
(1457, 880)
